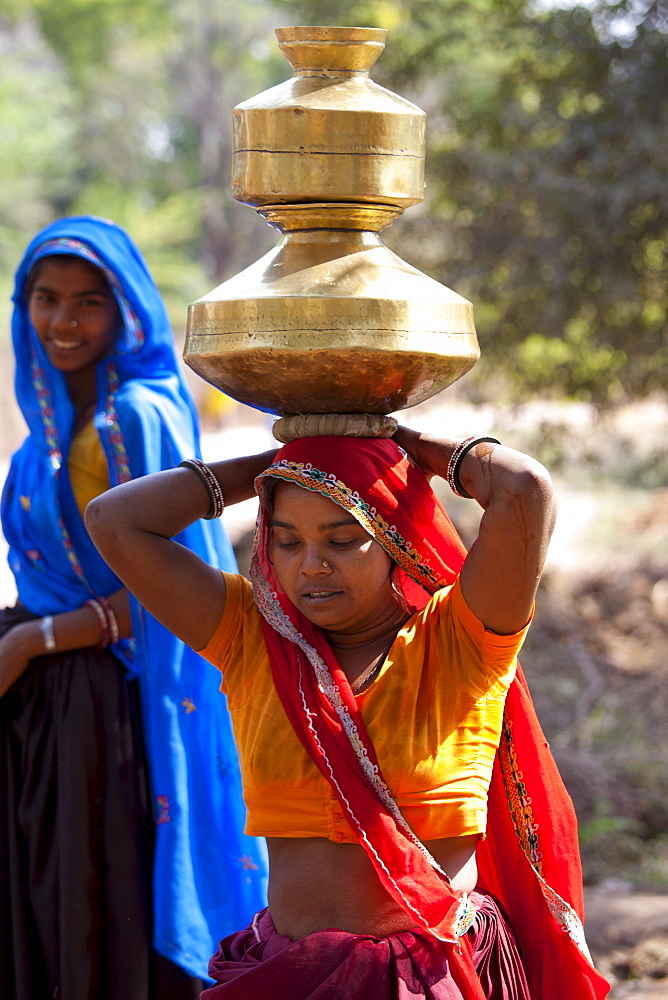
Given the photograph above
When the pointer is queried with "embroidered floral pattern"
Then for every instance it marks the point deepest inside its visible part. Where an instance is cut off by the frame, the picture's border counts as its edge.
(55, 455)
(464, 916)
(120, 459)
(163, 809)
(46, 410)
(519, 800)
(247, 863)
(72, 556)
(401, 550)
(566, 917)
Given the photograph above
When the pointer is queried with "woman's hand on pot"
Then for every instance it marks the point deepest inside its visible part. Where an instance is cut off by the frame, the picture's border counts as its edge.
(413, 444)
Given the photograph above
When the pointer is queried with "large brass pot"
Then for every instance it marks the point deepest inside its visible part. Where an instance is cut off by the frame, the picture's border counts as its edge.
(336, 324)
(330, 320)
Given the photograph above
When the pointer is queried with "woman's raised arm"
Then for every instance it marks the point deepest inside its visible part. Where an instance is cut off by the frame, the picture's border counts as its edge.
(502, 569)
(133, 526)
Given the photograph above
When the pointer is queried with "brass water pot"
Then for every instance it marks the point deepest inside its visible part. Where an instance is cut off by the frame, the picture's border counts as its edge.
(329, 134)
(330, 320)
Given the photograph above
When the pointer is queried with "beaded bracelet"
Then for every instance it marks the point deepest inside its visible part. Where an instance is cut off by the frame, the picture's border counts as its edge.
(112, 621)
(105, 635)
(211, 485)
(456, 459)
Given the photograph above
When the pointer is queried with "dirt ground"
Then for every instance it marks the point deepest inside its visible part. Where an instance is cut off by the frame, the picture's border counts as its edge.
(628, 936)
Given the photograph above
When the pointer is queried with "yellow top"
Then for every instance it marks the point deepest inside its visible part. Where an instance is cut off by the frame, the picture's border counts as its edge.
(433, 712)
(87, 466)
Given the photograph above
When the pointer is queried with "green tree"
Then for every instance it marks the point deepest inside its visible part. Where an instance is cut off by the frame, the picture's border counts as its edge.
(138, 96)
(546, 200)
(35, 127)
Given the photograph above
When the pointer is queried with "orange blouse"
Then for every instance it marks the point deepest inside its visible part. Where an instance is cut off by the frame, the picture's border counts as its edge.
(433, 712)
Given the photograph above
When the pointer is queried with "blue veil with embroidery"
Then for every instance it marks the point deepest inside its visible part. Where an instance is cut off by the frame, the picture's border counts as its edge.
(208, 877)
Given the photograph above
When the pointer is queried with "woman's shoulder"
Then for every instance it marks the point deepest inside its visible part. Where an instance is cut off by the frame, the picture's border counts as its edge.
(463, 639)
(438, 604)
(449, 604)
(239, 594)
(240, 626)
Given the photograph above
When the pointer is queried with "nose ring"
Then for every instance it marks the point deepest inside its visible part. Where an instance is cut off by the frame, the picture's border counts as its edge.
(325, 564)
(74, 322)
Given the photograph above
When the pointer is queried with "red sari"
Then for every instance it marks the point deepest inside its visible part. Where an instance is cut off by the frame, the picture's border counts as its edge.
(529, 860)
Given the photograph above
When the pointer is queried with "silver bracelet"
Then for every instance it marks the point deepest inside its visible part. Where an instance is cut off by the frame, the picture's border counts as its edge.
(46, 628)
(456, 459)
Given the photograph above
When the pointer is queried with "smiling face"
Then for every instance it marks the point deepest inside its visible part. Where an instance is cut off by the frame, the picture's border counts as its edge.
(335, 573)
(73, 312)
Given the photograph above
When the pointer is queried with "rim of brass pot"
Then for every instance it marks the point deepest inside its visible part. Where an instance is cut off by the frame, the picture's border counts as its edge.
(349, 50)
(330, 215)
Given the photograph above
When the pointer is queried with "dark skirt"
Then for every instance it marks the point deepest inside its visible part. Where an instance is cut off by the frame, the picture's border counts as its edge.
(260, 962)
(76, 835)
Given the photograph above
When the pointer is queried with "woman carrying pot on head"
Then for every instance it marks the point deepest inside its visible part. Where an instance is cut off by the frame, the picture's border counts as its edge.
(366, 668)
(122, 852)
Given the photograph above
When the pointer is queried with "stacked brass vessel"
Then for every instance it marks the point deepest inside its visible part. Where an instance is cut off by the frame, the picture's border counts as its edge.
(330, 320)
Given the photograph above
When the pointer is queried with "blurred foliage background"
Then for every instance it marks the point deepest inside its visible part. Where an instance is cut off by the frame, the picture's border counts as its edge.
(546, 205)
(546, 200)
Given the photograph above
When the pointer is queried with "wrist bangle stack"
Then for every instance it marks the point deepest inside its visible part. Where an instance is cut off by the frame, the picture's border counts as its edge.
(456, 459)
(102, 619)
(112, 622)
(211, 485)
(107, 620)
(48, 635)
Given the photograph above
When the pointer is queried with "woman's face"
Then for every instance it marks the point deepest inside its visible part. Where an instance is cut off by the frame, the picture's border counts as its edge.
(73, 312)
(331, 569)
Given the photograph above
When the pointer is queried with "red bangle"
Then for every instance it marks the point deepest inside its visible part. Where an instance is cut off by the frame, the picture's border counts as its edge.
(102, 619)
(112, 621)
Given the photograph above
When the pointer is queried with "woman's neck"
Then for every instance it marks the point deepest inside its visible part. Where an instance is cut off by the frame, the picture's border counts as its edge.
(82, 390)
(361, 652)
(370, 634)
(81, 386)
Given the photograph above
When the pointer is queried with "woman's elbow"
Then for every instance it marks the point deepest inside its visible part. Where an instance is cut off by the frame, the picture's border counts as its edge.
(100, 522)
(535, 487)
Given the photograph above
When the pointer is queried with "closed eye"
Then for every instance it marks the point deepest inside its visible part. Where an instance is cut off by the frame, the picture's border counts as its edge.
(95, 303)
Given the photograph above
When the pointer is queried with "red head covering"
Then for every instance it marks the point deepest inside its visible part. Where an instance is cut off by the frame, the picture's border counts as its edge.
(530, 859)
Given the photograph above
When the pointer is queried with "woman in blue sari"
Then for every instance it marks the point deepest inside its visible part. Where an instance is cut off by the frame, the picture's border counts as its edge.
(122, 854)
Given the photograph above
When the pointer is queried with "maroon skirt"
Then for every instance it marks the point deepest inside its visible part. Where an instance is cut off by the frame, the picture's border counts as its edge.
(260, 962)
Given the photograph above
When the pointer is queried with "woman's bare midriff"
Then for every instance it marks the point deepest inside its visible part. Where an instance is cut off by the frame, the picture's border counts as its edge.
(315, 884)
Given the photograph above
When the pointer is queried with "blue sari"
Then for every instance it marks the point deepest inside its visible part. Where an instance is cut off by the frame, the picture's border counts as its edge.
(208, 876)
